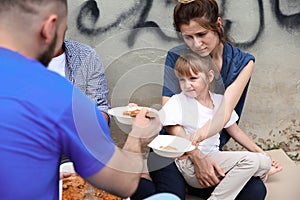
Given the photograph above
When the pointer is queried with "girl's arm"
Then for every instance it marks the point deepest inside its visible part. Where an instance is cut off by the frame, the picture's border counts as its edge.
(231, 97)
(176, 130)
(242, 138)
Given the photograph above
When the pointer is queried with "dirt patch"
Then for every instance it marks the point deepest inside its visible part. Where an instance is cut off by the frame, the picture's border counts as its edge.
(287, 139)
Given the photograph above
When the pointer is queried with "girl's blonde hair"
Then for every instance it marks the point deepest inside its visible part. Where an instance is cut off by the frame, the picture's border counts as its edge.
(190, 62)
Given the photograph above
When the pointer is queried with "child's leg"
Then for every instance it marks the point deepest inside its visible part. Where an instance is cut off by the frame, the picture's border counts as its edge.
(239, 167)
(267, 166)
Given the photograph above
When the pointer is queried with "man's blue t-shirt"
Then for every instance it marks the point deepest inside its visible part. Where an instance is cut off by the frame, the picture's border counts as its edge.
(234, 61)
(42, 116)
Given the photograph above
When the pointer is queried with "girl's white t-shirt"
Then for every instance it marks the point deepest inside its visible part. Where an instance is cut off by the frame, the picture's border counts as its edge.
(191, 115)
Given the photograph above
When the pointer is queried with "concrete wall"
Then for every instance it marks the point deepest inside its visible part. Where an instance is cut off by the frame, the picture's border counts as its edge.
(133, 37)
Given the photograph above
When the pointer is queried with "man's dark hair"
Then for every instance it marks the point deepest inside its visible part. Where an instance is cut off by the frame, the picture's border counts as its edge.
(27, 6)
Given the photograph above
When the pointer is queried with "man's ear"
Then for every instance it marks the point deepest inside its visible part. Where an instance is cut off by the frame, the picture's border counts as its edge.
(48, 29)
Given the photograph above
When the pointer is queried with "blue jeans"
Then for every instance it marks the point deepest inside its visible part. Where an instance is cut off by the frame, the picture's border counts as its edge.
(166, 179)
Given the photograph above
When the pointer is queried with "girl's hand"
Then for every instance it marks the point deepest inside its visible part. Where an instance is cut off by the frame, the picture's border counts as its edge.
(196, 137)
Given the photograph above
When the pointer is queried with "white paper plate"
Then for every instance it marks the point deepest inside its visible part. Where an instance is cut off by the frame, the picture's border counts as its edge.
(117, 112)
(65, 167)
(180, 145)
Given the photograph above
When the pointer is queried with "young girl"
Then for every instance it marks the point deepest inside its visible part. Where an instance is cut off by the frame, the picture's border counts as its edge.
(192, 109)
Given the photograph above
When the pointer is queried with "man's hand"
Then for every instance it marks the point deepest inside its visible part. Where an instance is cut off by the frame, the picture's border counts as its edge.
(145, 129)
(143, 132)
(207, 171)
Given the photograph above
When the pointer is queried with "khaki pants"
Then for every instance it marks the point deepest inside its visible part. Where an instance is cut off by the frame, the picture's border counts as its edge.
(239, 167)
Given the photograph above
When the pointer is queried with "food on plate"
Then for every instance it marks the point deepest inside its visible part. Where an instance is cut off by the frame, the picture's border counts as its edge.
(168, 147)
(133, 113)
(76, 188)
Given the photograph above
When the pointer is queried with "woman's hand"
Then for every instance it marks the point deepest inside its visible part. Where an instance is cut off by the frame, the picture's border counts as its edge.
(207, 171)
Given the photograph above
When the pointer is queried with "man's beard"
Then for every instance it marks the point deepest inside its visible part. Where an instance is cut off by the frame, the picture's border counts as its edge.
(46, 56)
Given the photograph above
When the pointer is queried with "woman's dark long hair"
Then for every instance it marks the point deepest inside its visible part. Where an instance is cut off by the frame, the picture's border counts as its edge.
(205, 12)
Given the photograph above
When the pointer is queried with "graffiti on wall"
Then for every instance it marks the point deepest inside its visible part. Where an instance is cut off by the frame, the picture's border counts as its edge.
(288, 21)
(91, 12)
(140, 11)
